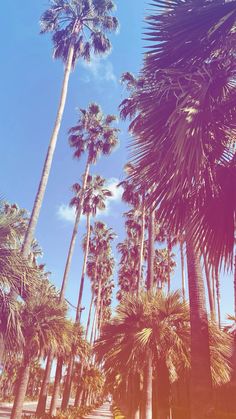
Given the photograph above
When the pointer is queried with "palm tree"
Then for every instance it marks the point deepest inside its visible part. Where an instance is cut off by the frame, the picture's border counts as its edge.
(95, 135)
(44, 327)
(125, 341)
(78, 29)
(136, 197)
(100, 262)
(161, 324)
(172, 148)
(94, 199)
(16, 274)
(95, 196)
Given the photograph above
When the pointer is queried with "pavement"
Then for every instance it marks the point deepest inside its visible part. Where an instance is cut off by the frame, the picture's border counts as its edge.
(103, 412)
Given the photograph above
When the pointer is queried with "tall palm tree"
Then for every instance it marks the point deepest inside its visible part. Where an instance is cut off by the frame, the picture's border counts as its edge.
(95, 197)
(78, 29)
(95, 135)
(178, 143)
(136, 197)
(44, 327)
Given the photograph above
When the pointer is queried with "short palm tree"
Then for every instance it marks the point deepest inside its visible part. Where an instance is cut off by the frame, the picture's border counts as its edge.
(95, 135)
(160, 324)
(78, 28)
(44, 327)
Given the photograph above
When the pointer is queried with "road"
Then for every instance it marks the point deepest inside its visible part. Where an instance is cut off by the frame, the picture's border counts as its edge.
(103, 412)
(29, 407)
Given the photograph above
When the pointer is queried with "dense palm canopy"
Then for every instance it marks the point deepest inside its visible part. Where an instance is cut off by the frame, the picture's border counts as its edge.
(82, 24)
(178, 145)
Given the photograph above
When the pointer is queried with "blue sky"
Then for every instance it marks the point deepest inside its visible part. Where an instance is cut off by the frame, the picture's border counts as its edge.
(30, 85)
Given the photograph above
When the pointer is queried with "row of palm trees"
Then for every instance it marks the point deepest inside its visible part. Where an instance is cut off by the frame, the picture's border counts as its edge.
(158, 348)
(182, 124)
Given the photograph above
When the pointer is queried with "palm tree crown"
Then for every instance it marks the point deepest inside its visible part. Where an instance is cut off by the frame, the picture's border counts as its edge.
(81, 23)
(93, 133)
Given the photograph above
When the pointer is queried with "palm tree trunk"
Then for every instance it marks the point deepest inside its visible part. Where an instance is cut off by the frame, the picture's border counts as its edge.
(98, 305)
(78, 312)
(141, 243)
(42, 401)
(148, 390)
(74, 233)
(79, 390)
(209, 289)
(218, 295)
(68, 383)
(182, 270)
(49, 157)
(89, 315)
(201, 381)
(151, 250)
(168, 256)
(93, 327)
(21, 388)
(100, 315)
(135, 396)
(150, 282)
(235, 285)
(56, 388)
(163, 391)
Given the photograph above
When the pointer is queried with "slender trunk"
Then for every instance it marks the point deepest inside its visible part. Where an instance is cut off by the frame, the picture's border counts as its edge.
(49, 157)
(168, 257)
(208, 281)
(78, 312)
(150, 282)
(74, 233)
(135, 396)
(201, 381)
(42, 401)
(79, 390)
(98, 302)
(141, 244)
(213, 290)
(100, 315)
(56, 388)
(148, 389)
(182, 270)
(21, 388)
(218, 295)
(151, 251)
(93, 327)
(235, 285)
(89, 315)
(68, 383)
(163, 391)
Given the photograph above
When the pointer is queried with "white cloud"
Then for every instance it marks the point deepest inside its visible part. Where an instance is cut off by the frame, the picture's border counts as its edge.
(66, 213)
(101, 69)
